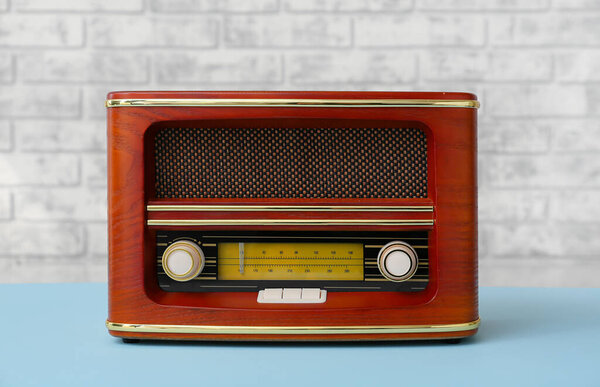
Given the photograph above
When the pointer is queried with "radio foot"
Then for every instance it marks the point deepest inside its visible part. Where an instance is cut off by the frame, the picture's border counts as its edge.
(453, 341)
(130, 341)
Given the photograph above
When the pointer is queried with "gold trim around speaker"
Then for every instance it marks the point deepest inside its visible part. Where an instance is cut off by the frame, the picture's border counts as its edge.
(290, 222)
(291, 330)
(195, 207)
(277, 102)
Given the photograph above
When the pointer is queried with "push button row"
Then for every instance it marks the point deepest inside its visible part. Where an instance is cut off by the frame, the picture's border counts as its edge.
(292, 296)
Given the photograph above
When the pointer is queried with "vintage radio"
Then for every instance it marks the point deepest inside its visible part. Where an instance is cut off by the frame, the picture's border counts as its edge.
(292, 215)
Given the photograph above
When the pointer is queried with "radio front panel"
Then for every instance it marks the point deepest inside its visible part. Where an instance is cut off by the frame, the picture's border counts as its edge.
(292, 215)
(334, 261)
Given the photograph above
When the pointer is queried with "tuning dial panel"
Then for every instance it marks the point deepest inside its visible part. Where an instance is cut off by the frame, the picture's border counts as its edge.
(397, 261)
(183, 260)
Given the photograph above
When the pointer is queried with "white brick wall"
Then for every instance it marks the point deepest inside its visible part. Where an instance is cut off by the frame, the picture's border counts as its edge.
(534, 64)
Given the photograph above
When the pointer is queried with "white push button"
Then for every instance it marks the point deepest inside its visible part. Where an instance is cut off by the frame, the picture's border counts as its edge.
(292, 294)
(272, 294)
(313, 294)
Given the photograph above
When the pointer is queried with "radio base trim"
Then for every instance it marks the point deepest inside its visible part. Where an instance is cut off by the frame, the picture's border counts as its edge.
(291, 330)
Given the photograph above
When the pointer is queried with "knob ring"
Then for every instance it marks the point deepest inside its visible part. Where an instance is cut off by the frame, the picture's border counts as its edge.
(194, 251)
(397, 246)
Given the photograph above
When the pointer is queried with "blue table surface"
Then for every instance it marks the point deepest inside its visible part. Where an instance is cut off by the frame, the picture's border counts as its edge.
(54, 335)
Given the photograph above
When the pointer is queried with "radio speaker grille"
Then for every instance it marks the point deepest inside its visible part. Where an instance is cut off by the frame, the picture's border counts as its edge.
(291, 163)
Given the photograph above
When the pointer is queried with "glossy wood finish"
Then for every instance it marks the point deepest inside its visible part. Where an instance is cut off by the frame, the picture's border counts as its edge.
(450, 298)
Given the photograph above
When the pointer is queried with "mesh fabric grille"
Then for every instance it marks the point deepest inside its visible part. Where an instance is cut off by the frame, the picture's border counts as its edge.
(291, 163)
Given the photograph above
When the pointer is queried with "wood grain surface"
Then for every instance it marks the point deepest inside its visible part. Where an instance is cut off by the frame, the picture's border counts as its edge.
(450, 298)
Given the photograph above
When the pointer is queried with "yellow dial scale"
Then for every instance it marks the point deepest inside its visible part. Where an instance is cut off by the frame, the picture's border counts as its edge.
(290, 261)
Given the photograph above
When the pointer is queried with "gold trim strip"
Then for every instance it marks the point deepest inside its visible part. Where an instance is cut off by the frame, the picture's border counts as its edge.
(186, 207)
(297, 330)
(276, 102)
(290, 222)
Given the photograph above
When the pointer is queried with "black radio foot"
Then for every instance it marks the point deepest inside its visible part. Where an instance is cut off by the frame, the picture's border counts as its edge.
(453, 341)
(130, 341)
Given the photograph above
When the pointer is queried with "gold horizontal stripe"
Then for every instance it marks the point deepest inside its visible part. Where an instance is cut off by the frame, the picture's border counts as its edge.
(371, 263)
(380, 246)
(295, 102)
(228, 286)
(408, 280)
(291, 330)
(289, 222)
(184, 207)
(351, 287)
(295, 237)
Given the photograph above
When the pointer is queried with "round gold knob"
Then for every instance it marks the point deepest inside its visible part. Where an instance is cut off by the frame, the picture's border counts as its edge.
(397, 261)
(183, 260)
